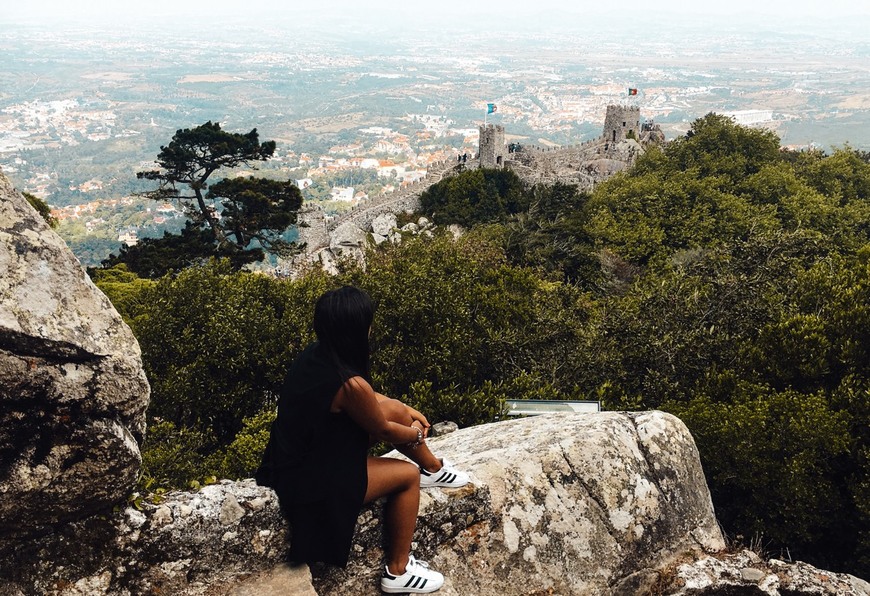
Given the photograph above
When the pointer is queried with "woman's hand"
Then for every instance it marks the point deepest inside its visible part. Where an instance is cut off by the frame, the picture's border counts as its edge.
(420, 419)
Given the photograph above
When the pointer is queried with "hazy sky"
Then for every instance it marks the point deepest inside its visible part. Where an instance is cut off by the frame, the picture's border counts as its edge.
(420, 9)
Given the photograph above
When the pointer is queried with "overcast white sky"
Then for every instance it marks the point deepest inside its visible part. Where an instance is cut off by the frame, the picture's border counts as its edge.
(418, 8)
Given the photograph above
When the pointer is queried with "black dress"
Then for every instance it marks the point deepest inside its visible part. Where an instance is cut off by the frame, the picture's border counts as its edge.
(316, 462)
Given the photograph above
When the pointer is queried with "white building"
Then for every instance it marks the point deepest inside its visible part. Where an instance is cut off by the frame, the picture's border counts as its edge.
(750, 117)
(129, 238)
(341, 193)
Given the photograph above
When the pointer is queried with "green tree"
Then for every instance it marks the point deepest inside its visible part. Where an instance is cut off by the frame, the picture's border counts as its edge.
(844, 176)
(552, 236)
(716, 146)
(456, 314)
(125, 290)
(194, 245)
(216, 343)
(774, 465)
(475, 196)
(239, 218)
(257, 210)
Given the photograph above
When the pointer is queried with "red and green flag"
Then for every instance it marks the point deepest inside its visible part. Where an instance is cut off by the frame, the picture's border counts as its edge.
(632, 91)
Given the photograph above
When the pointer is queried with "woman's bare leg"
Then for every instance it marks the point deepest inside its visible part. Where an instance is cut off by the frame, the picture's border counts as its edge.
(395, 411)
(399, 481)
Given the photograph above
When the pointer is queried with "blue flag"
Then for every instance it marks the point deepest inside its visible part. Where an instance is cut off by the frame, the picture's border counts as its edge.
(490, 108)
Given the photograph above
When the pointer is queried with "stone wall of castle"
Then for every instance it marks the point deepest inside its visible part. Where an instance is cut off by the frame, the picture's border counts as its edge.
(311, 222)
(584, 164)
(405, 199)
(550, 151)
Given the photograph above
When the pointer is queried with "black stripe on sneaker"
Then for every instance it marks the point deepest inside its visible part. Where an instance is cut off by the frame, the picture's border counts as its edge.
(448, 479)
(442, 476)
(423, 585)
(413, 578)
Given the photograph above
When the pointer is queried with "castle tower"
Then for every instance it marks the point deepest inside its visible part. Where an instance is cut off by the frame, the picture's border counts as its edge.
(491, 147)
(621, 122)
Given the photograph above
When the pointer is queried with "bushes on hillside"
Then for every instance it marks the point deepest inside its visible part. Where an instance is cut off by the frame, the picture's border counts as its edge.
(457, 314)
(720, 279)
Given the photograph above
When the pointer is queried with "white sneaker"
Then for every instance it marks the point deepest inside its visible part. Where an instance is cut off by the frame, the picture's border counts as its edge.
(446, 477)
(418, 578)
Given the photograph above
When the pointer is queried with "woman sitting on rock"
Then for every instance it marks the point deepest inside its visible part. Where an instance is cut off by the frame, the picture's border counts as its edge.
(317, 457)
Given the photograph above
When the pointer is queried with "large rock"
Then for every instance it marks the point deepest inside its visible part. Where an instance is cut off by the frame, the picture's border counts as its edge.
(72, 390)
(576, 504)
(188, 543)
(745, 572)
(383, 224)
(604, 168)
(348, 238)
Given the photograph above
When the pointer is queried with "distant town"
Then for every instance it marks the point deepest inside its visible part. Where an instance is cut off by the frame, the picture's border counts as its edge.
(85, 110)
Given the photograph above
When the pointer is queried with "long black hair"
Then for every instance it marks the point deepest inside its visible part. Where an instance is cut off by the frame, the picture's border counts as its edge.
(342, 319)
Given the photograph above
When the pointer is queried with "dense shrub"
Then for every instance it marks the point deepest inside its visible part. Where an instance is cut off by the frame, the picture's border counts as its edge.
(216, 343)
(475, 196)
(456, 314)
(241, 458)
(173, 456)
(780, 475)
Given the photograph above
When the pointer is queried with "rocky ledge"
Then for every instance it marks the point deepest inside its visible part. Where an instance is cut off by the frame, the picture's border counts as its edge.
(576, 504)
(609, 503)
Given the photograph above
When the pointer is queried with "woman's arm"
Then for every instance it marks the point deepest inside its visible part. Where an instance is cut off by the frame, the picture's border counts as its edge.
(414, 414)
(358, 400)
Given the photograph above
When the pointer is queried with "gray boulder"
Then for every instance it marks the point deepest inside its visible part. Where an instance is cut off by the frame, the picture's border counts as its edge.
(187, 543)
(745, 572)
(383, 224)
(580, 504)
(456, 230)
(347, 236)
(72, 391)
(604, 168)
